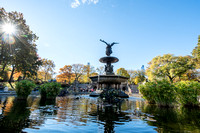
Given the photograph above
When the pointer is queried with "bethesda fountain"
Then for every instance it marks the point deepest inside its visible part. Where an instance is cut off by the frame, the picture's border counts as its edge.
(109, 83)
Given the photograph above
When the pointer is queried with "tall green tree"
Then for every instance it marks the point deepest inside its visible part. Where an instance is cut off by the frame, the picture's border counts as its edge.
(196, 54)
(136, 76)
(17, 49)
(122, 72)
(169, 66)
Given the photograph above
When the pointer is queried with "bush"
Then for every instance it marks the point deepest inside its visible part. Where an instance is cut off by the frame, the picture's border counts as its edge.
(188, 92)
(147, 91)
(24, 88)
(50, 90)
(163, 93)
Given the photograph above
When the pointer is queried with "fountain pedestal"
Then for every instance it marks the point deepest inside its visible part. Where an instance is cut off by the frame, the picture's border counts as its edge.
(109, 67)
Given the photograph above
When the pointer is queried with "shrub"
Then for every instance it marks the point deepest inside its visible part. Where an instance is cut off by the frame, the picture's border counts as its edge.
(163, 93)
(188, 92)
(50, 90)
(23, 88)
(147, 91)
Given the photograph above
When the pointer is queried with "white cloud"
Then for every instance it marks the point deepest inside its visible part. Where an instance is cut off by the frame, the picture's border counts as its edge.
(84, 1)
(76, 3)
(94, 1)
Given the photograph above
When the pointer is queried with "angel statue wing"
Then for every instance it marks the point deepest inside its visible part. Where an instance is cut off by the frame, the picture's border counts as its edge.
(114, 43)
(104, 41)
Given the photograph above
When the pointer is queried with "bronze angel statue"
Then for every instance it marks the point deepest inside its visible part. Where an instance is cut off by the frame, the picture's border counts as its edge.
(109, 47)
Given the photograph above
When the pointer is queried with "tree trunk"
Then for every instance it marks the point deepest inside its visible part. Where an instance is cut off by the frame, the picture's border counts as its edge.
(4, 66)
(171, 79)
(12, 72)
(11, 76)
(24, 75)
(45, 76)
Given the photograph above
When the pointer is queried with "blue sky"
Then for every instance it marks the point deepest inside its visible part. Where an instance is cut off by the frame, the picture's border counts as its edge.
(69, 30)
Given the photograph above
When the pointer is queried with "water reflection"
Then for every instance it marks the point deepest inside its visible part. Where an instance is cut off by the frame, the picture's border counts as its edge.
(174, 119)
(85, 114)
(15, 115)
(74, 110)
(110, 117)
(6, 105)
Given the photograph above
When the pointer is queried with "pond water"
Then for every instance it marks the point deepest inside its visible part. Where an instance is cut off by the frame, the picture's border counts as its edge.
(85, 114)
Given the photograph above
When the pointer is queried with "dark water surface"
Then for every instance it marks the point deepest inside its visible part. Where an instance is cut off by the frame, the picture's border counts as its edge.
(84, 114)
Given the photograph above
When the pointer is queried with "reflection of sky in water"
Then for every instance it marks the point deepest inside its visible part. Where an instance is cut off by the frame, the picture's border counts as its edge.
(84, 114)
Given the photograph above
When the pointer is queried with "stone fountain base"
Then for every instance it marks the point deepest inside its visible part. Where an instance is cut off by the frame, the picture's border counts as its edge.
(106, 83)
(120, 94)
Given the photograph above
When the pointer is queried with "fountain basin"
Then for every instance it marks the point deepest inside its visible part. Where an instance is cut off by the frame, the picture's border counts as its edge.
(109, 59)
(109, 79)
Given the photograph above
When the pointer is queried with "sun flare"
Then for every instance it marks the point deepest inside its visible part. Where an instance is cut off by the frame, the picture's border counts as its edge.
(8, 28)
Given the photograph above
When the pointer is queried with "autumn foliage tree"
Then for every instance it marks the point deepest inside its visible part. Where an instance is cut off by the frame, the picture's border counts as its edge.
(76, 73)
(65, 74)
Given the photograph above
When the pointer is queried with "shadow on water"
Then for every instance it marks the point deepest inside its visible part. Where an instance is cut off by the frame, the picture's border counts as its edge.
(14, 115)
(174, 119)
(44, 102)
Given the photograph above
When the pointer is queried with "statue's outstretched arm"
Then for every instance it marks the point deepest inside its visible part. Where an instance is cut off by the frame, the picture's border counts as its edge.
(104, 41)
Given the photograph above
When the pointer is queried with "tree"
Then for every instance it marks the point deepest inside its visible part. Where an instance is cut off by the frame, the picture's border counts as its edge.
(196, 54)
(136, 76)
(122, 72)
(47, 69)
(17, 50)
(66, 74)
(133, 75)
(169, 66)
(90, 71)
(78, 70)
(100, 70)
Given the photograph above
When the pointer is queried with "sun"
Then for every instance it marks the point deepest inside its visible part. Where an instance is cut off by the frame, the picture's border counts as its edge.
(8, 28)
